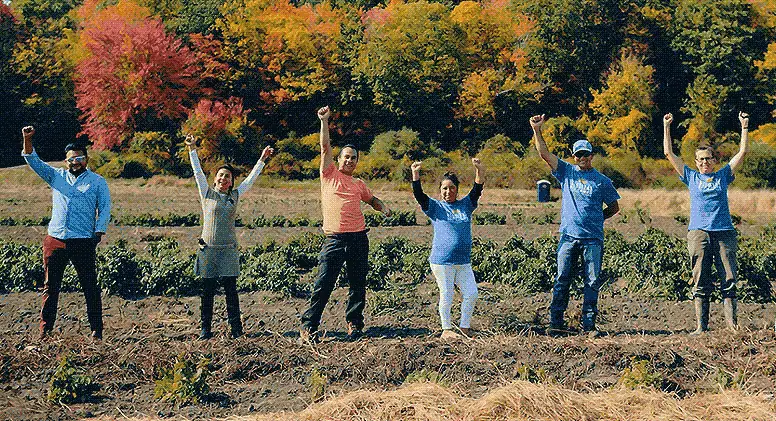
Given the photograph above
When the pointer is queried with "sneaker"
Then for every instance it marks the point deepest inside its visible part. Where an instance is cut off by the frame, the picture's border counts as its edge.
(96, 334)
(308, 338)
(354, 333)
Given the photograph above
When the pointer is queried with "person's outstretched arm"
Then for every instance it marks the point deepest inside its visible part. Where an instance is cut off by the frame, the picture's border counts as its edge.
(743, 148)
(199, 175)
(417, 189)
(44, 170)
(327, 156)
(248, 182)
(536, 124)
(668, 149)
(479, 180)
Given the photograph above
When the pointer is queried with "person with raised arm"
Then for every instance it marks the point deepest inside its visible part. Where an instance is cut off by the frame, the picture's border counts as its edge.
(218, 257)
(588, 198)
(711, 237)
(451, 247)
(346, 236)
(79, 218)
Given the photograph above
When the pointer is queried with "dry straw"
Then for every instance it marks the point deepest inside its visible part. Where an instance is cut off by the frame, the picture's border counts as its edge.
(524, 401)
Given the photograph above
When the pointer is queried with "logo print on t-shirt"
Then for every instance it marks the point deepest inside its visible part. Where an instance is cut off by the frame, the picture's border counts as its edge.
(457, 216)
(83, 188)
(709, 184)
(582, 187)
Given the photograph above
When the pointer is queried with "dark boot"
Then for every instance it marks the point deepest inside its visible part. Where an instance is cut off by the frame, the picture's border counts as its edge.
(206, 315)
(701, 315)
(557, 326)
(730, 308)
(233, 307)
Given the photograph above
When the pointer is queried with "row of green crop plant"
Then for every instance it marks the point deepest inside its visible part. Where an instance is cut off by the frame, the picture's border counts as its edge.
(372, 219)
(654, 265)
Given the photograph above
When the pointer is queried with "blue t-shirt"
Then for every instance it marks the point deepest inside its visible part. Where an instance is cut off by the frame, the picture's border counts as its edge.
(584, 194)
(709, 209)
(452, 244)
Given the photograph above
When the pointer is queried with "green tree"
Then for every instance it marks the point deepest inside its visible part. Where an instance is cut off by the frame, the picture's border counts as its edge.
(717, 39)
(573, 42)
(411, 60)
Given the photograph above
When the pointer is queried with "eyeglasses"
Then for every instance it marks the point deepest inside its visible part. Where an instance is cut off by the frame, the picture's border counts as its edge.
(582, 154)
(705, 159)
(80, 158)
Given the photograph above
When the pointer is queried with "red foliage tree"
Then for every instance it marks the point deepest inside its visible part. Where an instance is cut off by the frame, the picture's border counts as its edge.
(133, 69)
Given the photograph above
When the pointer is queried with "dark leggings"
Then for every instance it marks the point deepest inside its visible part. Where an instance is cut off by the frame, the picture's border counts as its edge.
(209, 287)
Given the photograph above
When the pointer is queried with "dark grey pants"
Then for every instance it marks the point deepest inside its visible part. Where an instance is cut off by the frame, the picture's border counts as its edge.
(351, 248)
(709, 248)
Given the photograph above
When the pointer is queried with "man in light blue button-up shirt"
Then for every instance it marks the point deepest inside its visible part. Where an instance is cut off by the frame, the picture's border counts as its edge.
(79, 217)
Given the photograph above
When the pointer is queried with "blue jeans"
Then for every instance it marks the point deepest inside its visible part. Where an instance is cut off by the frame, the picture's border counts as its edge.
(569, 251)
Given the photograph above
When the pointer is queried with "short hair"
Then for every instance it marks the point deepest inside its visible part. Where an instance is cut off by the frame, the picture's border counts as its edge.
(706, 148)
(450, 176)
(76, 147)
(351, 146)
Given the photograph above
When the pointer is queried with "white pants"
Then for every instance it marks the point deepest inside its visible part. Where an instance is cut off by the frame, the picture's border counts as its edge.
(447, 276)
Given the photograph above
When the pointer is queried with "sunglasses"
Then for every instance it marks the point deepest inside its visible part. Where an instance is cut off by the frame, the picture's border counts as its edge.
(80, 158)
(705, 159)
(582, 154)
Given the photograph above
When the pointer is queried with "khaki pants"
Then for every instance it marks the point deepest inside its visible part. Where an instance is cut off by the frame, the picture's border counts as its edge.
(718, 248)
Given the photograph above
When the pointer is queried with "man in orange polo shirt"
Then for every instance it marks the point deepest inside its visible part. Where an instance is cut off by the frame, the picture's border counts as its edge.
(346, 240)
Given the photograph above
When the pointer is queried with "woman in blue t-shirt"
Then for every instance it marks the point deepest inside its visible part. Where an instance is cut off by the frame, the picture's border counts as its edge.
(451, 248)
(711, 238)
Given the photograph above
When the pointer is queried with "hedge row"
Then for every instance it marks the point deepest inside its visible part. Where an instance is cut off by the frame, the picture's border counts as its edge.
(654, 265)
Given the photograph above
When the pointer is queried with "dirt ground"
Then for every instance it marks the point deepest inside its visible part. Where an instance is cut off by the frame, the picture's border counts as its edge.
(267, 370)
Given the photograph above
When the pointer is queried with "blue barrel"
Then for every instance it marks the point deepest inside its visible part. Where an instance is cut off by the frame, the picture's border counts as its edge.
(543, 191)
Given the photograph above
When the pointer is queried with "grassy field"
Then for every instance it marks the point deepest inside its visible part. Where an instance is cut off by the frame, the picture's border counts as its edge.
(645, 368)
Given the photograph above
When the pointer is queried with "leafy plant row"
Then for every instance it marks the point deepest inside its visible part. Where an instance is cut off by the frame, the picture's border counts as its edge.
(654, 265)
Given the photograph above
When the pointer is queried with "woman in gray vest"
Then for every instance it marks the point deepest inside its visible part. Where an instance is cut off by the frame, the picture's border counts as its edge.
(218, 258)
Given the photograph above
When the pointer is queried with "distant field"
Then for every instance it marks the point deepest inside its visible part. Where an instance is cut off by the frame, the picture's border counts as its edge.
(25, 195)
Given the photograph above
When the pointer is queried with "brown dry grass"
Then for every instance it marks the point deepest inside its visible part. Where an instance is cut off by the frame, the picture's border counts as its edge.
(528, 401)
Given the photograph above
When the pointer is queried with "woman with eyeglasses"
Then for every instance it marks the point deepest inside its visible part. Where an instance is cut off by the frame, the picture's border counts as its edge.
(711, 237)
(451, 247)
(218, 259)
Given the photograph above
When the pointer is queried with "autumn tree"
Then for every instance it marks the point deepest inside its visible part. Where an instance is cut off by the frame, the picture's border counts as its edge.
(134, 78)
(622, 109)
(494, 61)
(45, 72)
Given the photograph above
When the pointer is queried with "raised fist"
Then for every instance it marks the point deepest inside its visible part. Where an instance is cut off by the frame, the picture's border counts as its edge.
(324, 113)
(537, 121)
(668, 119)
(28, 131)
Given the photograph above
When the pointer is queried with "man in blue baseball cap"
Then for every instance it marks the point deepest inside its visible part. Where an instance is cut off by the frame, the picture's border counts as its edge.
(585, 192)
